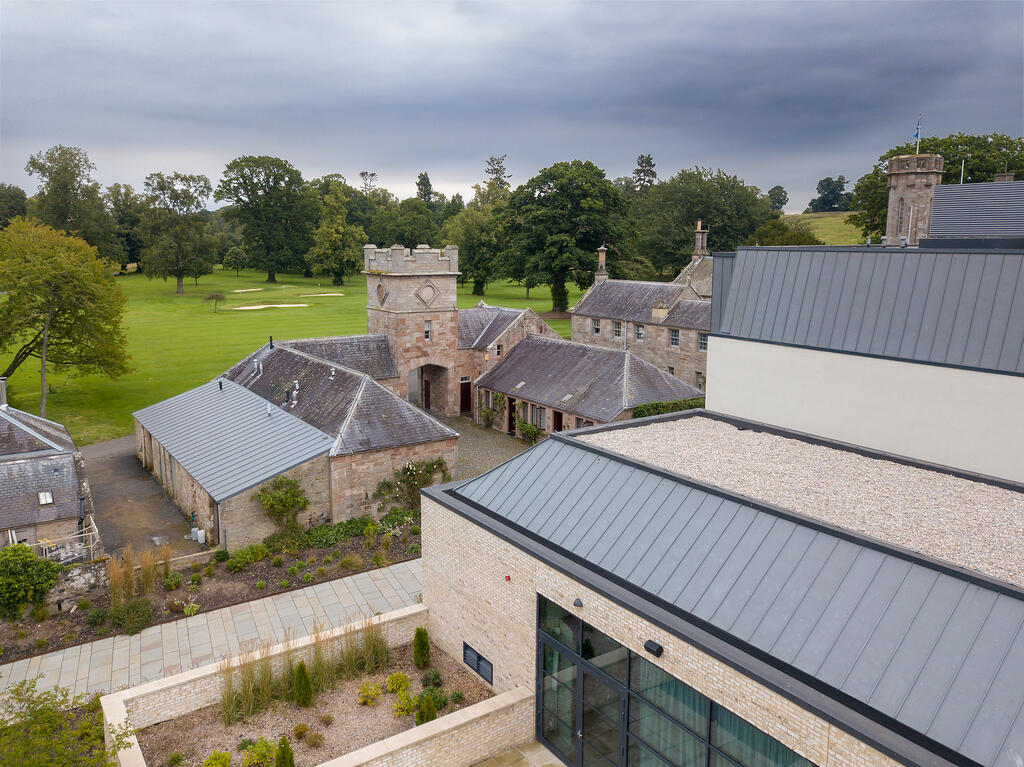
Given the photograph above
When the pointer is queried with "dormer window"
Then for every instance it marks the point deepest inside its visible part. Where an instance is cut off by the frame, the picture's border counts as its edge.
(45, 498)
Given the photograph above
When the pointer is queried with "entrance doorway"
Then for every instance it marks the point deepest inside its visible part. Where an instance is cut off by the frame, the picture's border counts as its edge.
(557, 417)
(426, 394)
(465, 394)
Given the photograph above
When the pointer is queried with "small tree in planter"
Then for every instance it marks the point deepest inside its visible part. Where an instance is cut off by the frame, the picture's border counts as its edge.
(421, 648)
(282, 498)
(303, 686)
(284, 756)
(427, 711)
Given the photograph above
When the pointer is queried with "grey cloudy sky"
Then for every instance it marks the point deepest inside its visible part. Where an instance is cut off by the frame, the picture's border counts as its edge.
(776, 93)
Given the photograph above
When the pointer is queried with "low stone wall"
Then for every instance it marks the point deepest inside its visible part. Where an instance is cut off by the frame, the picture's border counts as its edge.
(163, 699)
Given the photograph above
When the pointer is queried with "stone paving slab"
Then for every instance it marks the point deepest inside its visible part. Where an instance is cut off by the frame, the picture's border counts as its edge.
(113, 663)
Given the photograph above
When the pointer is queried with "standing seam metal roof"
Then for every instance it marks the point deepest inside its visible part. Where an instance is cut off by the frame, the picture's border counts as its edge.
(978, 210)
(959, 308)
(231, 439)
(936, 651)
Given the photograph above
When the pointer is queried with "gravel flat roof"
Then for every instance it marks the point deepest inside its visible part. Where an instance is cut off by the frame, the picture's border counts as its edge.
(968, 523)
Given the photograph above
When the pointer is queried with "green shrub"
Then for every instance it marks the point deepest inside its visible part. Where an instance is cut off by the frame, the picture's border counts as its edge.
(191, 608)
(299, 731)
(96, 616)
(24, 579)
(437, 697)
(301, 564)
(235, 565)
(260, 585)
(350, 562)
(321, 572)
(218, 759)
(671, 406)
(173, 582)
(457, 697)
(244, 743)
(528, 431)
(131, 617)
(285, 757)
(259, 754)
(222, 555)
(197, 579)
(303, 687)
(210, 570)
(412, 548)
(431, 678)
(379, 560)
(40, 613)
(426, 712)
(370, 533)
(277, 561)
(402, 491)
(368, 693)
(405, 704)
(375, 650)
(84, 603)
(307, 578)
(397, 682)
(282, 498)
(415, 529)
(284, 583)
(421, 648)
(175, 758)
(314, 740)
(40, 643)
(326, 719)
(293, 570)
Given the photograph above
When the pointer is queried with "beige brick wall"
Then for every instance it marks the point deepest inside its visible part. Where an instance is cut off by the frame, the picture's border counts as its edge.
(464, 588)
(354, 478)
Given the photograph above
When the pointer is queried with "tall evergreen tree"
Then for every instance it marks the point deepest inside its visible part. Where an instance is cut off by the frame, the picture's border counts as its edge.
(644, 175)
(424, 190)
(496, 173)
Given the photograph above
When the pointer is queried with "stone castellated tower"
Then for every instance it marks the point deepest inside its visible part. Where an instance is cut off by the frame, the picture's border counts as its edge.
(411, 299)
(912, 181)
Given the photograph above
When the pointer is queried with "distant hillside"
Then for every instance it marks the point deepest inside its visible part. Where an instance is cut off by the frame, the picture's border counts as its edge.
(830, 228)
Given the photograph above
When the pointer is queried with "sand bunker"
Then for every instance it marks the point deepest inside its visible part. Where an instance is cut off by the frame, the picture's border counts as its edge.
(266, 306)
(246, 290)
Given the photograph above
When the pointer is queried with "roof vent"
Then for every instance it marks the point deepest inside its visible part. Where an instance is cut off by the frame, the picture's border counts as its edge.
(269, 411)
(519, 385)
(566, 398)
(333, 372)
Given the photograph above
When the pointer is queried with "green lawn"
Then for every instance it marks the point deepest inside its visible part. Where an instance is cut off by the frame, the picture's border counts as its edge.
(177, 342)
(830, 228)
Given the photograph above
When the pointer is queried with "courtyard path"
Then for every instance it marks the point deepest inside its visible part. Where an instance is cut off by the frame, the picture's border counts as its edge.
(121, 661)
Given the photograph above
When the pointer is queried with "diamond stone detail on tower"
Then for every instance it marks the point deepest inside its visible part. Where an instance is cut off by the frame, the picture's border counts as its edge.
(427, 293)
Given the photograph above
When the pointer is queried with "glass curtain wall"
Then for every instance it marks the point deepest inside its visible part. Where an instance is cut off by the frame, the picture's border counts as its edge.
(601, 704)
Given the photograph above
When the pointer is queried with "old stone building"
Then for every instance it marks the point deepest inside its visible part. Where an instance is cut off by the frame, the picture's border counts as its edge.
(912, 180)
(665, 323)
(557, 385)
(282, 412)
(44, 494)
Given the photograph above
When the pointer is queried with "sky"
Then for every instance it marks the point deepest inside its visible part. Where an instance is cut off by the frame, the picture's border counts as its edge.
(776, 93)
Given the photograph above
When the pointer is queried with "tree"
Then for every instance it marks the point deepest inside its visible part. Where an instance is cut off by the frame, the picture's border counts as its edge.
(476, 231)
(496, 173)
(644, 175)
(126, 211)
(777, 197)
(276, 210)
(779, 232)
(421, 648)
(69, 199)
(216, 298)
(302, 686)
(52, 728)
(667, 215)
(424, 190)
(12, 203)
(337, 245)
(556, 221)
(284, 757)
(282, 498)
(410, 223)
(177, 243)
(982, 156)
(236, 259)
(369, 179)
(25, 579)
(63, 305)
(831, 195)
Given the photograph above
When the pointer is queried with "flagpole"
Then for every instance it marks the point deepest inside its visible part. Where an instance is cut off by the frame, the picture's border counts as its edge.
(917, 133)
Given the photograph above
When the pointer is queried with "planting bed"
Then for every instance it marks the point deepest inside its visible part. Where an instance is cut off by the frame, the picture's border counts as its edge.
(27, 636)
(200, 733)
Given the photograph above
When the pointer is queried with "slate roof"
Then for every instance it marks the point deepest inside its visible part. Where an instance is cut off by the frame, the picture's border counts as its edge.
(920, 644)
(963, 308)
(689, 313)
(370, 354)
(698, 275)
(479, 326)
(21, 481)
(21, 432)
(629, 300)
(978, 210)
(602, 382)
(228, 439)
(358, 412)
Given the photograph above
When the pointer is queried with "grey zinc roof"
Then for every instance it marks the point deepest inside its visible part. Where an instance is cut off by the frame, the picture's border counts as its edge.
(370, 354)
(602, 382)
(978, 210)
(627, 300)
(480, 325)
(938, 651)
(962, 308)
(21, 481)
(22, 432)
(228, 439)
(335, 400)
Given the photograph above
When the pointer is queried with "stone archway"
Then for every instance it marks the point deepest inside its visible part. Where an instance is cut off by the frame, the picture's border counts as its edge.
(429, 388)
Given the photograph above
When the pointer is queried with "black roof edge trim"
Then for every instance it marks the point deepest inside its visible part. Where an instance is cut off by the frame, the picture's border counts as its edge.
(864, 248)
(720, 334)
(878, 730)
(861, 539)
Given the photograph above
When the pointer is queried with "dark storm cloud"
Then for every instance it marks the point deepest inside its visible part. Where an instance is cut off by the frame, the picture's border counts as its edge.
(775, 93)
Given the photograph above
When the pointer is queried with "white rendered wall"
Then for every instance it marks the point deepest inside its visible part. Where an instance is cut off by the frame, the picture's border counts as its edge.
(959, 418)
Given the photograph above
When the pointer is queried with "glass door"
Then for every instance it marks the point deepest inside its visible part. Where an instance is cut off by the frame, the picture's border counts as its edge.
(602, 709)
(559, 706)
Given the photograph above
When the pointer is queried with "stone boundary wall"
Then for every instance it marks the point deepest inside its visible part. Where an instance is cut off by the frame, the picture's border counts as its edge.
(459, 739)
(173, 696)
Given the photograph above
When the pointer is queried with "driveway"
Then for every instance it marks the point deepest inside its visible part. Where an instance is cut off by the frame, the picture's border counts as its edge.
(130, 506)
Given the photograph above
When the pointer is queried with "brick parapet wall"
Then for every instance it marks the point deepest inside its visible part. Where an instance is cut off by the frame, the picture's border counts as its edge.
(469, 600)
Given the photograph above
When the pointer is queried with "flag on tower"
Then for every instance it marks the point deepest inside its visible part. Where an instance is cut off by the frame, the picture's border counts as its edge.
(917, 134)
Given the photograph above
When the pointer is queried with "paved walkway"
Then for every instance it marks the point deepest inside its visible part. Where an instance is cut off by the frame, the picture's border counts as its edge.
(121, 661)
(530, 755)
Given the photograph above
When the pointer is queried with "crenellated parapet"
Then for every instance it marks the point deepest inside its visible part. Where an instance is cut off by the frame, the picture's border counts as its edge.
(418, 260)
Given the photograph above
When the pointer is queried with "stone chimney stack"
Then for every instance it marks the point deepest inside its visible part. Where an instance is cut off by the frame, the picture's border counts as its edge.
(700, 245)
(601, 274)
(1000, 177)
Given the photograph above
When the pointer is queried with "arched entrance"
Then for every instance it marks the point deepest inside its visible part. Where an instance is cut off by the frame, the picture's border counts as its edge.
(428, 388)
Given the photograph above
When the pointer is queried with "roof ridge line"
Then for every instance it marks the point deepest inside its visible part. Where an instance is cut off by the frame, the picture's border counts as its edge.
(351, 412)
(4, 412)
(314, 358)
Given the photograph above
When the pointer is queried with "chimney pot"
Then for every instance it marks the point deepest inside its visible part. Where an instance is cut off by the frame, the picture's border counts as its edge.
(601, 274)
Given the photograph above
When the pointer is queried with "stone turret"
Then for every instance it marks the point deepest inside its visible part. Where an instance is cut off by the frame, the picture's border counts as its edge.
(912, 182)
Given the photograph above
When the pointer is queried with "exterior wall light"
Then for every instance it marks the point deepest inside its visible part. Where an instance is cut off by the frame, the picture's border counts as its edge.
(654, 648)
(577, 602)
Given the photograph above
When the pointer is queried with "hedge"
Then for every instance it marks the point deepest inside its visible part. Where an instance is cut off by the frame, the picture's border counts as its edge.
(673, 406)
